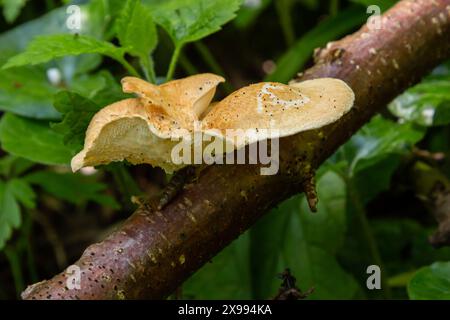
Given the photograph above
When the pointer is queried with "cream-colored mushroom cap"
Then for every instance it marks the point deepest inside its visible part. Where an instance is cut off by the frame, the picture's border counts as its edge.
(140, 130)
(146, 129)
(124, 131)
(184, 100)
(273, 110)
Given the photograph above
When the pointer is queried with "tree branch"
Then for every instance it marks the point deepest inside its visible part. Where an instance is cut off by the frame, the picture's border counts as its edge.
(154, 252)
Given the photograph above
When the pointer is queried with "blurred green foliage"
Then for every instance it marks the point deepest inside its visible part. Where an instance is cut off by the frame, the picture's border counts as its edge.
(53, 80)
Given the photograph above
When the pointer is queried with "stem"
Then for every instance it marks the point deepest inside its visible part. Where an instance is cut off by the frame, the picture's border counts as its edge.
(212, 63)
(125, 183)
(151, 70)
(285, 19)
(147, 66)
(131, 70)
(52, 237)
(368, 235)
(188, 67)
(334, 7)
(173, 62)
(50, 4)
(16, 269)
(27, 246)
(402, 279)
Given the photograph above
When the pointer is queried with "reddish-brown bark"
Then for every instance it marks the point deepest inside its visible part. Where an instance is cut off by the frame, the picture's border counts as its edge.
(154, 252)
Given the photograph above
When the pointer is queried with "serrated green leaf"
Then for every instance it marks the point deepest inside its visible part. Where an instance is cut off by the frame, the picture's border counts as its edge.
(77, 112)
(26, 90)
(45, 48)
(33, 140)
(431, 283)
(12, 166)
(74, 188)
(136, 29)
(23, 192)
(9, 212)
(96, 16)
(190, 20)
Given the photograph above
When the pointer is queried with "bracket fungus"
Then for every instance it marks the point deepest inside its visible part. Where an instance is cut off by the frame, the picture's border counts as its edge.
(145, 129)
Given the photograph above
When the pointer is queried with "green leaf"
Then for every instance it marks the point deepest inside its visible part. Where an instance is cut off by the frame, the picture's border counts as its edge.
(12, 8)
(431, 283)
(45, 48)
(12, 166)
(373, 154)
(9, 212)
(191, 20)
(376, 178)
(77, 112)
(227, 276)
(96, 16)
(74, 188)
(33, 140)
(26, 91)
(377, 140)
(331, 28)
(136, 30)
(427, 104)
(23, 192)
(304, 242)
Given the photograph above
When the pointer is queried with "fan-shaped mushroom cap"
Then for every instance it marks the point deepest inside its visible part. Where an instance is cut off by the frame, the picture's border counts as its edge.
(184, 100)
(284, 109)
(147, 129)
(142, 130)
(129, 130)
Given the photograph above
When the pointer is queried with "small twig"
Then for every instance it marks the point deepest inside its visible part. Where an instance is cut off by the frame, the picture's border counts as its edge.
(428, 156)
(173, 63)
(212, 63)
(371, 241)
(289, 289)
